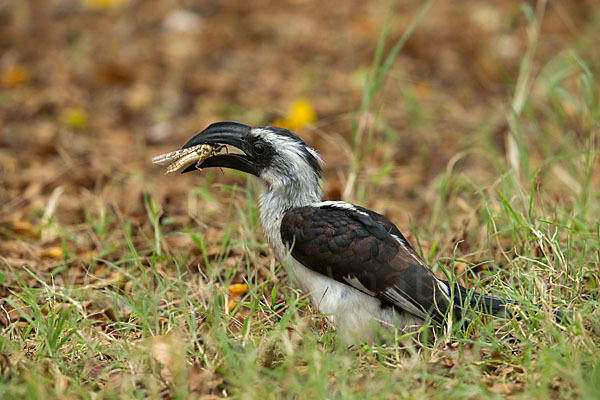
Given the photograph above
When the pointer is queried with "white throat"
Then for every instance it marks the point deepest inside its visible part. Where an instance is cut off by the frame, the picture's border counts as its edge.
(276, 200)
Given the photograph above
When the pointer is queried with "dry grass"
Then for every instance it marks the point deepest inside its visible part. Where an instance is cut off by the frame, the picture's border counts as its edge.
(482, 147)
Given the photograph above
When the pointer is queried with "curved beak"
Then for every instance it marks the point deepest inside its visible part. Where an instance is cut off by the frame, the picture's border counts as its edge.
(228, 133)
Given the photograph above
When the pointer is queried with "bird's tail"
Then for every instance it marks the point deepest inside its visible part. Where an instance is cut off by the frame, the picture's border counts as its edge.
(496, 306)
(465, 299)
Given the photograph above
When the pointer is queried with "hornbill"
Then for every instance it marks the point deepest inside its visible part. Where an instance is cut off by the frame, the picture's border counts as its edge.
(354, 264)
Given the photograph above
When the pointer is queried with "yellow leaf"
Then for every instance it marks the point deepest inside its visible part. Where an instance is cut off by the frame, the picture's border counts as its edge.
(75, 117)
(300, 114)
(52, 252)
(230, 304)
(15, 75)
(25, 228)
(237, 290)
(102, 4)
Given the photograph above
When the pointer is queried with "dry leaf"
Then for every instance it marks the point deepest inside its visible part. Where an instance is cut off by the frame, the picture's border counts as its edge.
(52, 252)
(169, 351)
(229, 304)
(422, 90)
(15, 75)
(25, 228)
(235, 291)
(203, 381)
(9, 163)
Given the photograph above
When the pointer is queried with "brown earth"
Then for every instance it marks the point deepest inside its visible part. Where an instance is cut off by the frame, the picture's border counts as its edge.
(89, 94)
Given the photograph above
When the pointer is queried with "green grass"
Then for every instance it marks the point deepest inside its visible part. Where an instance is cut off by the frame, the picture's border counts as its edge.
(148, 320)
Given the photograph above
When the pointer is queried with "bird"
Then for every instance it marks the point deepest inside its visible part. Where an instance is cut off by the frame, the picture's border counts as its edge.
(354, 264)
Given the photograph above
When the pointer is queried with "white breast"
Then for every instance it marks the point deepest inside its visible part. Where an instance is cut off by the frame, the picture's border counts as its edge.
(356, 315)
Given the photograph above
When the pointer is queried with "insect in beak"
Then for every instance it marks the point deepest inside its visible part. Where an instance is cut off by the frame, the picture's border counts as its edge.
(178, 159)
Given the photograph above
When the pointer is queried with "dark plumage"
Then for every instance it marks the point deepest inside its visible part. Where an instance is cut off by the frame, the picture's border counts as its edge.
(354, 264)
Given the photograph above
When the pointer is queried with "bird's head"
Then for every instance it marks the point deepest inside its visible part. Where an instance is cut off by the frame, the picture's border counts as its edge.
(276, 155)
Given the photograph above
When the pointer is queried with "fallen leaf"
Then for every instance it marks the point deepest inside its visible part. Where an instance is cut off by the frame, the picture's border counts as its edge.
(301, 113)
(422, 90)
(203, 380)
(76, 118)
(169, 351)
(237, 290)
(500, 386)
(102, 4)
(25, 228)
(52, 252)
(229, 304)
(9, 163)
(196, 379)
(15, 75)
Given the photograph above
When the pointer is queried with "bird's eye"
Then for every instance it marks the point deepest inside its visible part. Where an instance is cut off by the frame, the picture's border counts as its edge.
(259, 148)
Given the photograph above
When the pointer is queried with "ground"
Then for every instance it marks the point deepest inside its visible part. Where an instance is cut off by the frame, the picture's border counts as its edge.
(478, 139)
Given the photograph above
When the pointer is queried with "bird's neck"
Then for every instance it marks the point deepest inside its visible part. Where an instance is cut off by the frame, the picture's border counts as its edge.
(275, 201)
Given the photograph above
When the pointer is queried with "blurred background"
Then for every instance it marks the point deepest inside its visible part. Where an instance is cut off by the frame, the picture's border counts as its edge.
(478, 138)
(91, 90)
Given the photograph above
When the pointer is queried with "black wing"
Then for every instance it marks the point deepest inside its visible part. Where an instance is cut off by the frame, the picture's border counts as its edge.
(363, 249)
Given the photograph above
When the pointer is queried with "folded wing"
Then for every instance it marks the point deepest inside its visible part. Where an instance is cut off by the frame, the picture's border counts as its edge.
(363, 249)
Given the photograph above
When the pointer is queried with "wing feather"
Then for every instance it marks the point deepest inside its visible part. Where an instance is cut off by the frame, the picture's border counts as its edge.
(363, 249)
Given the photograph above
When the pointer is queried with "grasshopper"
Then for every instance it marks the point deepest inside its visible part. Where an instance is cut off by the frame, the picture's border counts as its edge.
(178, 159)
